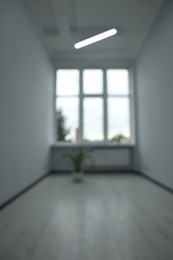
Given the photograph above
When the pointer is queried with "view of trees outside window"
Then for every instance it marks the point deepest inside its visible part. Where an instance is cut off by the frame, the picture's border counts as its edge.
(93, 108)
(62, 131)
(67, 102)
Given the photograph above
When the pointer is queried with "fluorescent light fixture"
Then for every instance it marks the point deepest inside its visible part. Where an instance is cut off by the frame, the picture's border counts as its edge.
(95, 38)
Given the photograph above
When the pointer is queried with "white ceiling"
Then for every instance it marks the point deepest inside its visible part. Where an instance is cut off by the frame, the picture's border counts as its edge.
(64, 22)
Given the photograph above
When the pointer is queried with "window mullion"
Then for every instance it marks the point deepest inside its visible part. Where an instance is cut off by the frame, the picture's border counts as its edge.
(81, 106)
(105, 119)
(93, 95)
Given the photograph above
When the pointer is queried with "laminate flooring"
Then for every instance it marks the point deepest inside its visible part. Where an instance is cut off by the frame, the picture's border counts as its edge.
(106, 217)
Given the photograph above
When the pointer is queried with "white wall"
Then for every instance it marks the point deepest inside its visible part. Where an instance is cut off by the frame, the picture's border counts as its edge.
(26, 98)
(154, 83)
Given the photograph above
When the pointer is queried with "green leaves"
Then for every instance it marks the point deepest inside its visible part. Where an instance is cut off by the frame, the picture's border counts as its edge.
(78, 156)
(62, 130)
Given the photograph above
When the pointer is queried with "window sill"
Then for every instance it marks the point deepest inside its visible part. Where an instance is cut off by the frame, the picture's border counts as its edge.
(92, 144)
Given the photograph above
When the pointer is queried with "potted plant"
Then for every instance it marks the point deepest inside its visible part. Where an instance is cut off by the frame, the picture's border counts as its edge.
(118, 138)
(77, 157)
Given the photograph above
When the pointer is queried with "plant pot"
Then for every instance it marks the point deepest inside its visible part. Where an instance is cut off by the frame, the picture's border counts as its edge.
(78, 176)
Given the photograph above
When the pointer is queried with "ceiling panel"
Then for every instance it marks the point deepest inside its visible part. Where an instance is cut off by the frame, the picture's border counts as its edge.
(74, 20)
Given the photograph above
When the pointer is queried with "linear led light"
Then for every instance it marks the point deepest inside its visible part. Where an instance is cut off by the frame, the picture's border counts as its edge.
(95, 38)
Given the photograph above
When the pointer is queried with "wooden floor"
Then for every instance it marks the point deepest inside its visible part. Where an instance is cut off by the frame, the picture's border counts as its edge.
(113, 217)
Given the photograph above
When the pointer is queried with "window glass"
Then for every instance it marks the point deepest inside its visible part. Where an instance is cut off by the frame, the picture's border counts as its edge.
(67, 111)
(67, 82)
(117, 82)
(118, 119)
(93, 119)
(87, 110)
(93, 81)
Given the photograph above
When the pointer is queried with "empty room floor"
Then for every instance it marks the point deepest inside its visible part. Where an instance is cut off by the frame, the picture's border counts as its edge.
(106, 217)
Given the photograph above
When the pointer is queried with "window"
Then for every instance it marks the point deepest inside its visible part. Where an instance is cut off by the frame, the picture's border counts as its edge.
(118, 105)
(93, 105)
(67, 105)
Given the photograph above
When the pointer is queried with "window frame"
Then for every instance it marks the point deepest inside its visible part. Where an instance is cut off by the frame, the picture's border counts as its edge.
(105, 96)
